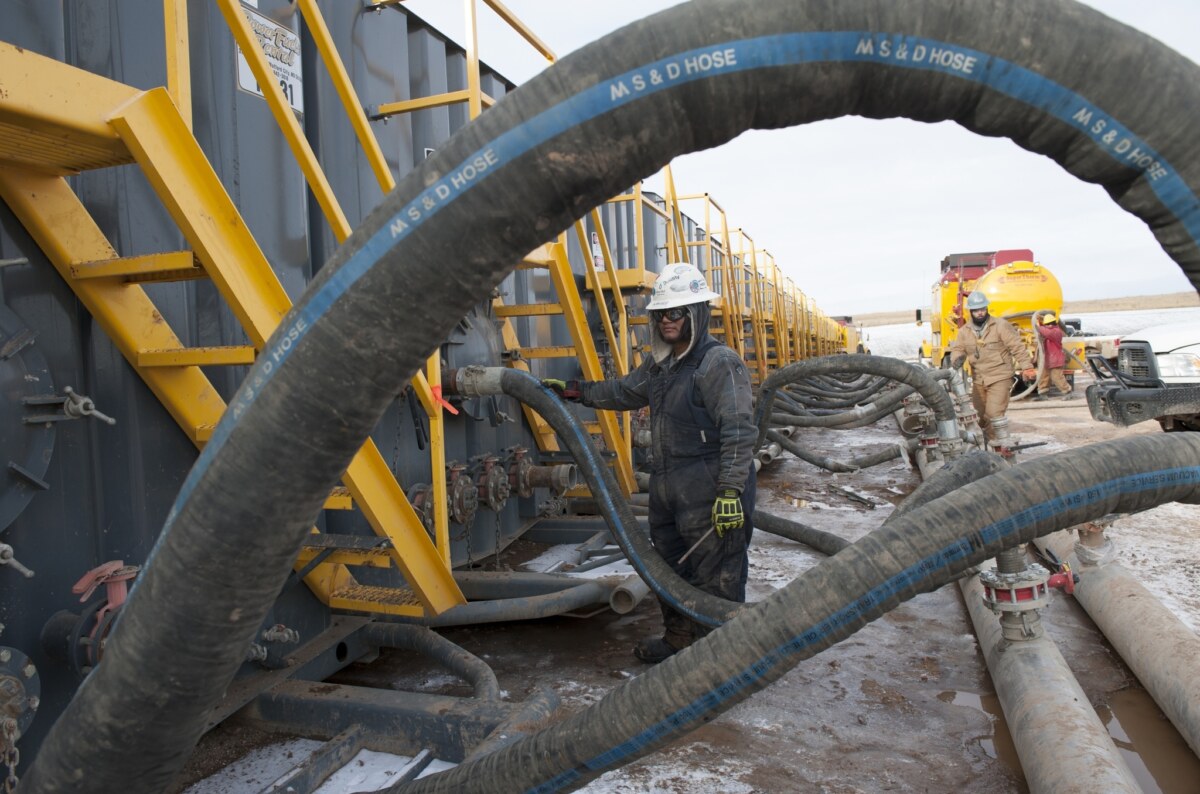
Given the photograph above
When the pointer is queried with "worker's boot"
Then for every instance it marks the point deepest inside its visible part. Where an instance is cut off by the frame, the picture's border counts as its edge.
(655, 649)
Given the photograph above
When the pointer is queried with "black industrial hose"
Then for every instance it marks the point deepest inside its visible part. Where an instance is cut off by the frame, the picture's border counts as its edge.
(917, 552)
(868, 413)
(702, 607)
(808, 389)
(434, 646)
(894, 369)
(582, 593)
(841, 466)
(824, 542)
(581, 131)
(967, 468)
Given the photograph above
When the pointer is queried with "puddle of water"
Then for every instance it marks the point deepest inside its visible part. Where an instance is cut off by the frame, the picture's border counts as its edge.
(1159, 758)
(1000, 744)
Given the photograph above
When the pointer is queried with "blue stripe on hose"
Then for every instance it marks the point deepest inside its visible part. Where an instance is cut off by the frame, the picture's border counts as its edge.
(606, 497)
(908, 579)
(710, 61)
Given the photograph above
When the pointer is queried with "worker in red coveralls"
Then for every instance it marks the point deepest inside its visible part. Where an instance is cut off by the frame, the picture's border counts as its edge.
(1052, 366)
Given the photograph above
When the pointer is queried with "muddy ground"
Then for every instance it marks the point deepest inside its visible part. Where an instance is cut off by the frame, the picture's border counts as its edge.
(905, 705)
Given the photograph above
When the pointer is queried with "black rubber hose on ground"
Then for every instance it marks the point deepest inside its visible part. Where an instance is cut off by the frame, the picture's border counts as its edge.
(829, 464)
(825, 542)
(973, 465)
(580, 132)
(808, 389)
(868, 413)
(916, 553)
(819, 404)
(893, 369)
(634, 542)
(428, 643)
(581, 593)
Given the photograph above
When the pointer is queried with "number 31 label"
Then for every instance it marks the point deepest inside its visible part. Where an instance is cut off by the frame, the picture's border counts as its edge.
(282, 48)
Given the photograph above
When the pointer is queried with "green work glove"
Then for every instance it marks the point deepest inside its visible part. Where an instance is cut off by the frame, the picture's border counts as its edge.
(566, 389)
(727, 511)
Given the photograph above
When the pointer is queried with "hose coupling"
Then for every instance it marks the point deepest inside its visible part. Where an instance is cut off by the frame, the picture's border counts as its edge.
(473, 381)
(1020, 591)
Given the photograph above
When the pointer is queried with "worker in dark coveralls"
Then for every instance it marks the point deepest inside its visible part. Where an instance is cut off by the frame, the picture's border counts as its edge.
(702, 439)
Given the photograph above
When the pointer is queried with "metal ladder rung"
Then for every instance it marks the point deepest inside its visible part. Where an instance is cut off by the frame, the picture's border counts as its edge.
(528, 310)
(196, 356)
(325, 540)
(172, 266)
(348, 550)
(547, 352)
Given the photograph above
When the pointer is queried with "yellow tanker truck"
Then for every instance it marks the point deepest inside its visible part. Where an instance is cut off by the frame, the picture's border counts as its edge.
(1018, 289)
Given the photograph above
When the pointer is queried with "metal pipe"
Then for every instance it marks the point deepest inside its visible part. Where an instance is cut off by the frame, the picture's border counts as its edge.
(1159, 648)
(559, 479)
(769, 453)
(1060, 740)
(628, 594)
(598, 562)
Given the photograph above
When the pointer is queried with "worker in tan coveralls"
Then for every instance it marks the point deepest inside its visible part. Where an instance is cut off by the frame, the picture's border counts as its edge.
(994, 350)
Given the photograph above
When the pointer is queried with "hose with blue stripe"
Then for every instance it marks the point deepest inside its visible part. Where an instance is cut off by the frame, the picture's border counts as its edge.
(1115, 109)
(915, 553)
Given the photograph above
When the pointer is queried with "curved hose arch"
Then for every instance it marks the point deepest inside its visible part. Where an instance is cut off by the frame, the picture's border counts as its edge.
(558, 146)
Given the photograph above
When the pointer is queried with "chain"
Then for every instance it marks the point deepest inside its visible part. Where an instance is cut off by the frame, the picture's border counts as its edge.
(466, 535)
(12, 756)
(497, 515)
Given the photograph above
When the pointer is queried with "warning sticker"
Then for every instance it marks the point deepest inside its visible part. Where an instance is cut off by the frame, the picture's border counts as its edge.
(282, 48)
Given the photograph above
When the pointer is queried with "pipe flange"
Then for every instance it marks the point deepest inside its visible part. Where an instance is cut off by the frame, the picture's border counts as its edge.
(463, 496)
(493, 485)
(20, 688)
(1015, 592)
(518, 473)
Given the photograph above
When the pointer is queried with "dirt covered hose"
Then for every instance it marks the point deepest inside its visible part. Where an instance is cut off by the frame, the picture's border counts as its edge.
(1115, 109)
(916, 553)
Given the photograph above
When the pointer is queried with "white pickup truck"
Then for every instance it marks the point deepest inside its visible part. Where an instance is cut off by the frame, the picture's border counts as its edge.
(1157, 376)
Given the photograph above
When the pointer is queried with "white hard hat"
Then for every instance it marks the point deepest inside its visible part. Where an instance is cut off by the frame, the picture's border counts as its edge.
(679, 284)
(977, 300)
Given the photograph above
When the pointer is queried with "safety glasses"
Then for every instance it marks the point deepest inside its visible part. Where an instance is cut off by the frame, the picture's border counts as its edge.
(658, 315)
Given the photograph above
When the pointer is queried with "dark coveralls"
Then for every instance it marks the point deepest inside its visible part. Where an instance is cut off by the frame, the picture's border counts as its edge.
(703, 439)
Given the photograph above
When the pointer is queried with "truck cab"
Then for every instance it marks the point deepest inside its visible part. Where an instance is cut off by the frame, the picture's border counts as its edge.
(1157, 376)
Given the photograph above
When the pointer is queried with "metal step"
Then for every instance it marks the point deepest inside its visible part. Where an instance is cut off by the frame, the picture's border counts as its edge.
(230, 355)
(367, 598)
(173, 266)
(528, 310)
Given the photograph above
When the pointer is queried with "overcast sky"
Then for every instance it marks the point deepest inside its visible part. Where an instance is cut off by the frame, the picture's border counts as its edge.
(858, 212)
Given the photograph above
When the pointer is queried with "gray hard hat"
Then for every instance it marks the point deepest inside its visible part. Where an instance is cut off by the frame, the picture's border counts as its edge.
(977, 300)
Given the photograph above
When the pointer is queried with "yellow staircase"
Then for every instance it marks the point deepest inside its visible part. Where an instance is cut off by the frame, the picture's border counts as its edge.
(56, 120)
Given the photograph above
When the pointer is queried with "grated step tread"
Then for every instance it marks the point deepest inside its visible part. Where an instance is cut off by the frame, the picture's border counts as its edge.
(371, 594)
